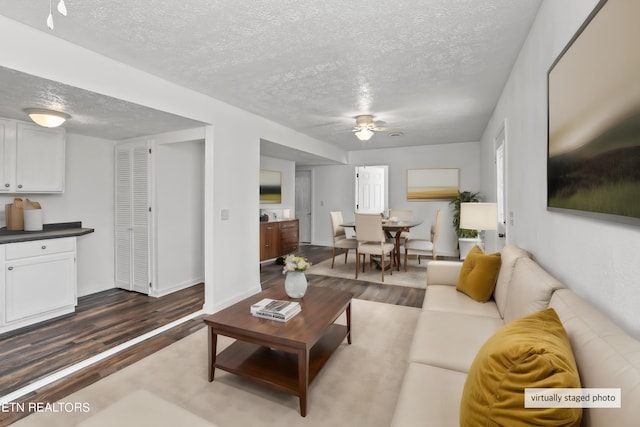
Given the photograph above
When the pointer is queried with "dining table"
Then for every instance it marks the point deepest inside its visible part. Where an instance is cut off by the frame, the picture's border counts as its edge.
(392, 229)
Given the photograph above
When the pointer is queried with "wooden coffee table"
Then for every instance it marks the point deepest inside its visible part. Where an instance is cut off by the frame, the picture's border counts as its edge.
(285, 356)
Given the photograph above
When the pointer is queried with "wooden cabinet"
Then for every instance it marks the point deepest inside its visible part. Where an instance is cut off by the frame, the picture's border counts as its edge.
(278, 238)
(288, 237)
(33, 158)
(38, 282)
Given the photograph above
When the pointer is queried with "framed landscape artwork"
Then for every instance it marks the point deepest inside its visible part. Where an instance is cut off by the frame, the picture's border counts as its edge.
(593, 163)
(432, 184)
(270, 186)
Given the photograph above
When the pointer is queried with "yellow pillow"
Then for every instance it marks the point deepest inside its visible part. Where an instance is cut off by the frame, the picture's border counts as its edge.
(479, 274)
(530, 352)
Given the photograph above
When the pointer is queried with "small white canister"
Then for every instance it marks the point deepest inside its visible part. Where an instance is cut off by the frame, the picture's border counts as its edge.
(32, 219)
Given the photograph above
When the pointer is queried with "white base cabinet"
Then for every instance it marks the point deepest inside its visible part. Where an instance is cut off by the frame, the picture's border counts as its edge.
(38, 282)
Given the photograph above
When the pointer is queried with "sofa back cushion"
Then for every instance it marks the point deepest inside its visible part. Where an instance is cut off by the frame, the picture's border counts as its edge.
(531, 352)
(529, 291)
(509, 255)
(606, 357)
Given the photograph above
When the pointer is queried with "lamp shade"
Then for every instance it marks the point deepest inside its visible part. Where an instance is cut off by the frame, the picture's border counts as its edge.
(479, 216)
(46, 118)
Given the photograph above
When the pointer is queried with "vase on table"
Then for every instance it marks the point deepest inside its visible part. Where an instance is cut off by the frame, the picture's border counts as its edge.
(295, 284)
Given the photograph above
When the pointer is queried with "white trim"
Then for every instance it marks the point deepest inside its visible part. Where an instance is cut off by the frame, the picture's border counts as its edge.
(94, 359)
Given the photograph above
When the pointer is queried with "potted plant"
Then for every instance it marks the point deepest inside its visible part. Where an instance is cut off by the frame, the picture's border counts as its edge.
(466, 238)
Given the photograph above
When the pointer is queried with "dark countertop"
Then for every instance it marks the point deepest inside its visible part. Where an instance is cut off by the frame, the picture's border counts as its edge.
(49, 231)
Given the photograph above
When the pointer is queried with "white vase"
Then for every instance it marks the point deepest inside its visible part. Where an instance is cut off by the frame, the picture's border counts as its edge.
(295, 284)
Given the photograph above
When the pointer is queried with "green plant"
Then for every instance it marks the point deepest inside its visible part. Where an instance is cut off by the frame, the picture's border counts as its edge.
(463, 197)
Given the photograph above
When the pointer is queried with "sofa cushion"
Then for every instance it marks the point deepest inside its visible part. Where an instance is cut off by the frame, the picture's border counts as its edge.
(478, 274)
(429, 396)
(606, 356)
(447, 298)
(531, 352)
(530, 290)
(450, 340)
(443, 272)
(509, 256)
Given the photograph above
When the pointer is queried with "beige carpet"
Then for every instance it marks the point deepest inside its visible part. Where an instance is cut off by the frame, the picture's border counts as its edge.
(358, 386)
(415, 276)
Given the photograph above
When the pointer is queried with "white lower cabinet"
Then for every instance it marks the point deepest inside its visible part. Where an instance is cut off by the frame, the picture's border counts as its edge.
(39, 281)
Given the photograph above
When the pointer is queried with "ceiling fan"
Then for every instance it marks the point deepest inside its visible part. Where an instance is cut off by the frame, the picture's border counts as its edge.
(366, 126)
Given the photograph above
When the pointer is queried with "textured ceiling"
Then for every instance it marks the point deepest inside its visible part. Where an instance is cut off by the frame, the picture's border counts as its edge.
(433, 69)
(91, 113)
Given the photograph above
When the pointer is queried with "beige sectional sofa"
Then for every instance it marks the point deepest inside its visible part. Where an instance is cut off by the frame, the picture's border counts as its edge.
(452, 328)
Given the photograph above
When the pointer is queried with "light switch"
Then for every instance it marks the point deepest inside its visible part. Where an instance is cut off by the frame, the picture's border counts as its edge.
(224, 214)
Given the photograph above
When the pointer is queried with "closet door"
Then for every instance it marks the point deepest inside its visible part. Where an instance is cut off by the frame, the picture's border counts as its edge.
(132, 228)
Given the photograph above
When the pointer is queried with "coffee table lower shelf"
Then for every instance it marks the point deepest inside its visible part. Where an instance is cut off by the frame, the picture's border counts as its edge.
(279, 368)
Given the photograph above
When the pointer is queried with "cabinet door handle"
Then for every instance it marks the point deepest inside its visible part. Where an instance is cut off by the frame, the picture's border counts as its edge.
(19, 185)
(44, 247)
(10, 268)
(6, 185)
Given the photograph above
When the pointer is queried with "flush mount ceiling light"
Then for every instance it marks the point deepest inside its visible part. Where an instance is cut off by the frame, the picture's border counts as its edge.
(46, 118)
(62, 9)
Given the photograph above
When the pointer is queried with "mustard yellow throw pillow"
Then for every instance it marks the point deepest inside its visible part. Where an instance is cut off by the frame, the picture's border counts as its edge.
(530, 352)
(479, 274)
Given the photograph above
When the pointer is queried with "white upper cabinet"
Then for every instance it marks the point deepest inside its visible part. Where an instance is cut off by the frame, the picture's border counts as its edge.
(33, 158)
(7, 153)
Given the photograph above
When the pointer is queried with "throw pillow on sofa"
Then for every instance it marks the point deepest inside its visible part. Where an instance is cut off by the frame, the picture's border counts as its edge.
(530, 352)
(479, 274)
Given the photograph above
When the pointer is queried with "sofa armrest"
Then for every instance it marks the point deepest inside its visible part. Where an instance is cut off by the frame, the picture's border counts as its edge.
(443, 272)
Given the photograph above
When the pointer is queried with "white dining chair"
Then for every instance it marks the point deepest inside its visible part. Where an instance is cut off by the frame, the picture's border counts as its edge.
(372, 240)
(423, 247)
(340, 239)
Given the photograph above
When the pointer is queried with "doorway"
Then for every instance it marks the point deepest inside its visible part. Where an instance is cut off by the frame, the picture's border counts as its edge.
(372, 189)
(500, 146)
(303, 204)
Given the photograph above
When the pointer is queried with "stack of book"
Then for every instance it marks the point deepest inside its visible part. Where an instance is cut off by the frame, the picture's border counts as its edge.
(274, 309)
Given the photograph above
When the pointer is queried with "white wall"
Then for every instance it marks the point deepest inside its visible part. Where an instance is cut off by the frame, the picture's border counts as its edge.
(288, 169)
(179, 215)
(232, 147)
(596, 258)
(334, 187)
(88, 197)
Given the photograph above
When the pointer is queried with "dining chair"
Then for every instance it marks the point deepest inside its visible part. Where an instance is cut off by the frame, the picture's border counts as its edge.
(421, 247)
(402, 216)
(372, 240)
(340, 239)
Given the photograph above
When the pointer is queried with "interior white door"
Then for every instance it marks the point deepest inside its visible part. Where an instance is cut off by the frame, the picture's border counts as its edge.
(303, 205)
(132, 228)
(370, 189)
(500, 142)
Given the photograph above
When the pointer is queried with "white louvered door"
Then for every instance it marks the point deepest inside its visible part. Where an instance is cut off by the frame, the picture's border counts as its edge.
(132, 228)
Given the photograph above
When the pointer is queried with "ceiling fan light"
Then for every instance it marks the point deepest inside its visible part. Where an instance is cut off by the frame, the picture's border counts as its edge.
(46, 118)
(364, 134)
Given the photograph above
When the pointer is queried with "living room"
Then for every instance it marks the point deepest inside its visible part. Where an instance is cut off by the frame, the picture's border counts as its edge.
(594, 258)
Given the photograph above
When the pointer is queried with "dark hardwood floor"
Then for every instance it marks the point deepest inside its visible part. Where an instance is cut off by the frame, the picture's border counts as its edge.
(107, 319)
(271, 274)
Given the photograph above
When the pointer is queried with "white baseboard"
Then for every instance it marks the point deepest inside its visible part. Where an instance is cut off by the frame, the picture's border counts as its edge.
(178, 287)
(217, 306)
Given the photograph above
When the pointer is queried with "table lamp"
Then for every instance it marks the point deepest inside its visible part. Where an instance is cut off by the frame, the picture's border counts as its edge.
(479, 216)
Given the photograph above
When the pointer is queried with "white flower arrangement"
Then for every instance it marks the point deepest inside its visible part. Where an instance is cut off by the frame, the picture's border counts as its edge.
(295, 263)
